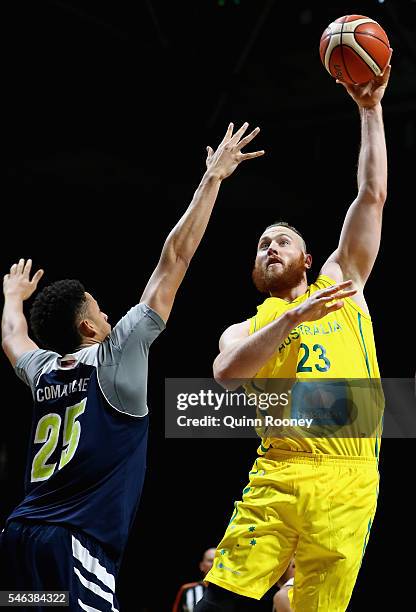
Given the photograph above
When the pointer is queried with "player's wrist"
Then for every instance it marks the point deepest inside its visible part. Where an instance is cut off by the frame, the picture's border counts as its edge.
(369, 109)
(294, 316)
(213, 176)
(11, 295)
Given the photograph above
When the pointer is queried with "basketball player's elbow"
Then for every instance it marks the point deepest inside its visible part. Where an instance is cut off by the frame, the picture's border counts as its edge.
(9, 348)
(183, 258)
(373, 193)
(225, 373)
(176, 254)
(220, 370)
(9, 338)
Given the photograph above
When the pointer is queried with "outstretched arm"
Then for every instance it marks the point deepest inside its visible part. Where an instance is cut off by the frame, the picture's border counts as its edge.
(17, 288)
(185, 237)
(360, 236)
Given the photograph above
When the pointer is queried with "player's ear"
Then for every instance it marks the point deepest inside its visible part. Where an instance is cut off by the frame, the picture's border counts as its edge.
(86, 328)
(308, 261)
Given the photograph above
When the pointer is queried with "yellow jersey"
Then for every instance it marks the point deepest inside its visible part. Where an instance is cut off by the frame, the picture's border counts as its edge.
(338, 349)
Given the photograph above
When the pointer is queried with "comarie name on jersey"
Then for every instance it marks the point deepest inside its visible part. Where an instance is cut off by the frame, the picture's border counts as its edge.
(56, 391)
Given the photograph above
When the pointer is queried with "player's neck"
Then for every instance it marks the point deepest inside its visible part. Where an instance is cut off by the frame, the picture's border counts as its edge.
(86, 342)
(291, 293)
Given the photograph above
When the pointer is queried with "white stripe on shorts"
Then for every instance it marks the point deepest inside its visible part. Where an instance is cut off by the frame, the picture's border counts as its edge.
(92, 564)
(96, 589)
(87, 608)
(199, 591)
(190, 600)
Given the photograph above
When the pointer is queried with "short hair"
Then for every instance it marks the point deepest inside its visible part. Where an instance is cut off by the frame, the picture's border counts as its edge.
(54, 316)
(285, 224)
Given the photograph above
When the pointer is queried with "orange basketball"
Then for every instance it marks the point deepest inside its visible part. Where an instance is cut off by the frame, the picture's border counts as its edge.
(354, 49)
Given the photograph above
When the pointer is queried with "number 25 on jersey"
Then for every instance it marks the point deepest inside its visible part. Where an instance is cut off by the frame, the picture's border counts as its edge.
(47, 434)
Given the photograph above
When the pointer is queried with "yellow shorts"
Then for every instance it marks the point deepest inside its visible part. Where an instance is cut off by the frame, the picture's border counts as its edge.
(319, 506)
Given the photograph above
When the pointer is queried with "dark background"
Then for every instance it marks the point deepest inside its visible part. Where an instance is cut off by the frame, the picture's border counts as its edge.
(109, 108)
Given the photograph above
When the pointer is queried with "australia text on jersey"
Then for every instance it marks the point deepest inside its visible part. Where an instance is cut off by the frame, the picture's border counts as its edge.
(311, 330)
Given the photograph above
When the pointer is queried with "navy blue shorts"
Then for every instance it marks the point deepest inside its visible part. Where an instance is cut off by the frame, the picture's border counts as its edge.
(38, 557)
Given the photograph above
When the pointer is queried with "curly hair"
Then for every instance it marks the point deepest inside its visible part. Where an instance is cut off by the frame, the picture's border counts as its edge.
(55, 313)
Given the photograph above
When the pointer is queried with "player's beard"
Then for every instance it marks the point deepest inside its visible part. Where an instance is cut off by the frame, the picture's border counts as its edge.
(267, 280)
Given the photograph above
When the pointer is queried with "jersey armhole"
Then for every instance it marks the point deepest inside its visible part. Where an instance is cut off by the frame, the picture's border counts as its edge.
(117, 410)
(348, 300)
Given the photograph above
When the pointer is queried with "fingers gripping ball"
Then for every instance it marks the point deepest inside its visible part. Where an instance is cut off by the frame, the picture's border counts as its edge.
(354, 49)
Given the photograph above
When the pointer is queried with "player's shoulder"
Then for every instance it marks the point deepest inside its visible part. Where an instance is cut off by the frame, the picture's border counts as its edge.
(269, 310)
(321, 282)
(141, 319)
(32, 364)
(36, 359)
(267, 307)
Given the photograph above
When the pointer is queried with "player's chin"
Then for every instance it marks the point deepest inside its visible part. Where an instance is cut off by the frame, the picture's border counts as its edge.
(274, 271)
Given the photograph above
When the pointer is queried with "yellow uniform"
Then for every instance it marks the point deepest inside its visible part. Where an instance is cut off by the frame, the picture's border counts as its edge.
(316, 491)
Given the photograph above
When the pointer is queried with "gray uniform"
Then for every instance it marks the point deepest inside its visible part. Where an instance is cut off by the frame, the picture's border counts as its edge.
(121, 361)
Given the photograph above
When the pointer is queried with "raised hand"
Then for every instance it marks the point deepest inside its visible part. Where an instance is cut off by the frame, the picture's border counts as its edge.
(228, 155)
(369, 94)
(18, 283)
(322, 302)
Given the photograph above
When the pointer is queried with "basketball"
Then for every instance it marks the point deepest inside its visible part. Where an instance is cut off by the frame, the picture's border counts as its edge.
(354, 49)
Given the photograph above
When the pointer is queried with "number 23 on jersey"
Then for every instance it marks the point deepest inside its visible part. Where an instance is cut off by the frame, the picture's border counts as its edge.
(308, 362)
